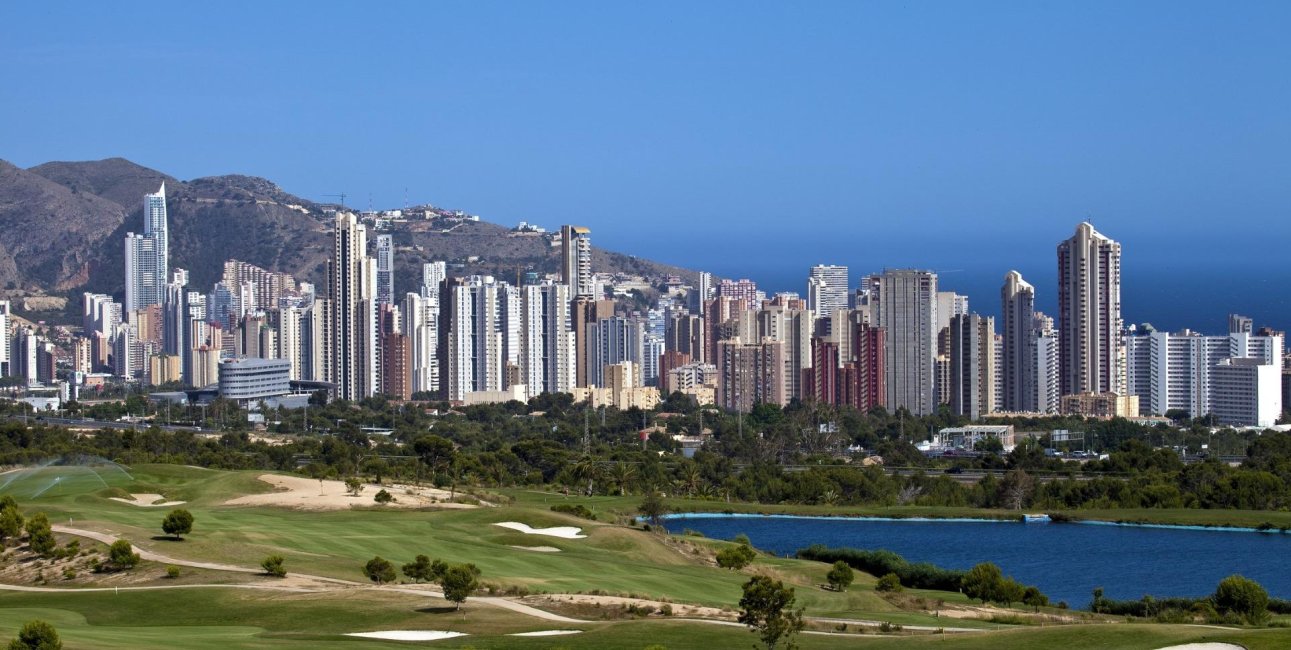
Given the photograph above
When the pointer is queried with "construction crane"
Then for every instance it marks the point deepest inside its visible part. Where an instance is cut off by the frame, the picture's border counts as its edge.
(342, 196)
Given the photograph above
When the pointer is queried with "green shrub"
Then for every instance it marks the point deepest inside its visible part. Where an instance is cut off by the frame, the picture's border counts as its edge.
(889, 582)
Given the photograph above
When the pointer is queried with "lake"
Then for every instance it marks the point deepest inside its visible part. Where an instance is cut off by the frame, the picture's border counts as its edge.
(1066, 561)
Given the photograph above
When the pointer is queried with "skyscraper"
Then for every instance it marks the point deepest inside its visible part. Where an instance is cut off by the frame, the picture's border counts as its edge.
(385, 269)
(972, 365)
(576, 253)
(827, 289)
(905, 307)
(146, 256)
(421, 314)
(547, 339)
(1017, 302)
(352, 280)
(1091, 358)
(476, 327)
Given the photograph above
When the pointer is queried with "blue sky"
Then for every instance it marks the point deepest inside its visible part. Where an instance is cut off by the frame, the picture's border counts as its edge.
(748, 138)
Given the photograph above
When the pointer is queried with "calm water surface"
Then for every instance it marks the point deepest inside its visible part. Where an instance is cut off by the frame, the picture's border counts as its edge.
(1067, 561)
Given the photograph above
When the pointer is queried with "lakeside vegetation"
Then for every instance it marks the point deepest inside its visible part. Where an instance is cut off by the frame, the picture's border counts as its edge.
(805, 458)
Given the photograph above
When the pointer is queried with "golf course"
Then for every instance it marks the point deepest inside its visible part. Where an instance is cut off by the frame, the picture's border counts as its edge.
(546, 579)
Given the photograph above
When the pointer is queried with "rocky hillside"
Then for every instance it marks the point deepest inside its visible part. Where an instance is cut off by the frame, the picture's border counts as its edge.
(62, 225)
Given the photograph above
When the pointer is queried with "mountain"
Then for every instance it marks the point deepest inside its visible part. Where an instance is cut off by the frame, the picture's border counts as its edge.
(62, 225)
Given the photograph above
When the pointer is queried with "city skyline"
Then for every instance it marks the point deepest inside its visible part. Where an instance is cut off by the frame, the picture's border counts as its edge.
(859, 123)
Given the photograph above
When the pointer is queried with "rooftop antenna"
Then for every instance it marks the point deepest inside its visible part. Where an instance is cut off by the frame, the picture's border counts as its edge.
(369, 201)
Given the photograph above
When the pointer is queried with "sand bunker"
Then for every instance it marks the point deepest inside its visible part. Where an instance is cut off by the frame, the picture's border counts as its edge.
(311, 494)
(538, 549)
(1205, 646)
(564, 532)
(147, 500)
(547, 633)
(408, 635)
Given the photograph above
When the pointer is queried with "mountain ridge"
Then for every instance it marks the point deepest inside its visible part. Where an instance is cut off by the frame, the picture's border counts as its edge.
(81, 211)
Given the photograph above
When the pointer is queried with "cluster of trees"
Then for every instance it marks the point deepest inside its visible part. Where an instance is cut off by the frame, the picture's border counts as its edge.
(1237, 599)
(458, 581)
(541, 443)
(984, 582)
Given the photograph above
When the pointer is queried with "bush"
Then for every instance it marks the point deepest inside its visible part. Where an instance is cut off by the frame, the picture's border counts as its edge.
(735, 557)
(122, 556)
(36, 635)
(273, 566)
(576, 509)
(40, 536)
(172, 572)
(382, 497)
(881, 563)
(1242, 597)
(889, 582)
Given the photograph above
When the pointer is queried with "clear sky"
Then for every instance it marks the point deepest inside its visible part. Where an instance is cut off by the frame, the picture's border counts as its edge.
(746, 138)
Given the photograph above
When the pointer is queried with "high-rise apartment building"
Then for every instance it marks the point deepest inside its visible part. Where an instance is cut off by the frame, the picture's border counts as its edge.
(1091, 358)
(749, 374)
(421, 326)
(1174, 372)
(576, 260)
(146, 256)
(432, 275)
(972, 365)
(614, 340)
(1019, 360)
(353, 331)
(904, 302)
(547, 339)
(827, 289)
(743, 289)
(477, 327)
(385, 269)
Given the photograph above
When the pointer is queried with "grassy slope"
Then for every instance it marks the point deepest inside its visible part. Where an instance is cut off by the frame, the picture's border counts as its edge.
(612, 558)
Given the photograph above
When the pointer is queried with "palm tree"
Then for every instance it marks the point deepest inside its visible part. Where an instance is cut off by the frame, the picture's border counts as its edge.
(623, 474)
(587, 469)
(691, 479)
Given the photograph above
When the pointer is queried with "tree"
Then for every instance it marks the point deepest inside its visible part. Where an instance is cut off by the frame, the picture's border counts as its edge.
(354, 486)
(40, 536)
(889, 582)
(982, 582)
(178, 523)
(10, 518)
(736, 557)
(379, 570)
(36, 635)
(1243, 597)
(435, 452)
(767, 608)
(122, 556)
(420, 569)
(382, 497)
(840, 576)
(1032, 597)
(653, 507)
(459, 581)
(273, 565)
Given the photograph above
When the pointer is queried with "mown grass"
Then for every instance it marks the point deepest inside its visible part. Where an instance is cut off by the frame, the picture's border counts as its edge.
(612, 559)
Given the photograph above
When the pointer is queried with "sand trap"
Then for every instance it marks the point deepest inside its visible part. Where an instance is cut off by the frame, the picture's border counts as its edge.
(147, 500)
(547, 633)
(1205, 646)
(311, 494)
(538, 549)
(564, 532)
(408, 635)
